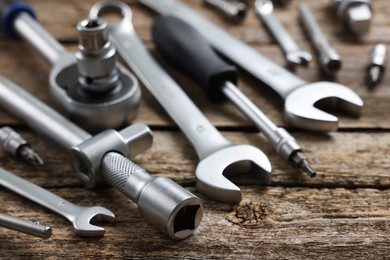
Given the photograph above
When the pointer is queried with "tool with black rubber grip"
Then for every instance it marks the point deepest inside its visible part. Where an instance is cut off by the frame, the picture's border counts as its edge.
(188, 51)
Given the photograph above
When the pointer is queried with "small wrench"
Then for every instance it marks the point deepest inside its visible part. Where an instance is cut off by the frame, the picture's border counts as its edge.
(302, 98)
(293, 54)
(79, 216)
(216, 154)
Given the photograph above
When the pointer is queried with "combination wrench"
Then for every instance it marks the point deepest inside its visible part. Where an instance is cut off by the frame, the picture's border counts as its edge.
(293, 54)
(218, 157)
(165, 204)
(186, 49)
(79, 216)
(89, 85)
(303, 100)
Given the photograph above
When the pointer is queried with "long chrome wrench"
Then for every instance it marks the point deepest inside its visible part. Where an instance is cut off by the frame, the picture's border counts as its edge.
(217, 155)
(168, 206)
(301, 97)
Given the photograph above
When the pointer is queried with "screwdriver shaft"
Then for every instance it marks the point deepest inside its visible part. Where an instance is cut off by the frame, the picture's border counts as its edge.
(25, 226)
(284, 143)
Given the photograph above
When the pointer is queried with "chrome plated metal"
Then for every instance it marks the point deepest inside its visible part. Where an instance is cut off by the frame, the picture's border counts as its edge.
(293, 54)
(25, 226)
(301, 97)
(216, 154)
(171, 208)
(329, 59)
(234, 9)
(79, 216)
(356, 14)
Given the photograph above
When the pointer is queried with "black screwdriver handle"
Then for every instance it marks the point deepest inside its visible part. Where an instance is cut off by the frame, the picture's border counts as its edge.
(186, 49)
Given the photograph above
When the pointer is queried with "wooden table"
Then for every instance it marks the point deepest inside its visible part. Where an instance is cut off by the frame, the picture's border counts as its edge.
(343, 212)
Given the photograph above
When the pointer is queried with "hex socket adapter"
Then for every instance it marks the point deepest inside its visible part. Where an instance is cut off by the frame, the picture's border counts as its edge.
(356, 14)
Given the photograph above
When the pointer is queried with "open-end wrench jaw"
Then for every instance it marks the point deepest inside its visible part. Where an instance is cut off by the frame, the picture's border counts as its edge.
(236, 159)
(302, 105)
(82, 223)
(299, 57)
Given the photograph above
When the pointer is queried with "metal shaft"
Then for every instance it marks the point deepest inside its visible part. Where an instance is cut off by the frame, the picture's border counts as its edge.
(32, 31)
(25, 226)
(280, 139)
(329, 59)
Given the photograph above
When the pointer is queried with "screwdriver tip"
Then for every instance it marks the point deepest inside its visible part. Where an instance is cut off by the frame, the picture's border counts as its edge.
(300, 161)
(28, 155)
(373, 76)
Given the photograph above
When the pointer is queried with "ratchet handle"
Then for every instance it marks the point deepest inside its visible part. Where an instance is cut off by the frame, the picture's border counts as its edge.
(9, 11)
(186, 49)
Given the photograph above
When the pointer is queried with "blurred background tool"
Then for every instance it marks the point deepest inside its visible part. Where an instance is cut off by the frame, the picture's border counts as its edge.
(376, 66)
(233, 9)
(25, 226)
(329, 59)
(356, 14)
(11, 142)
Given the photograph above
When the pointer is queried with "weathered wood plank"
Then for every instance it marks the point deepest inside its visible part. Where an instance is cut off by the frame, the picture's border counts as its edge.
(269, 223)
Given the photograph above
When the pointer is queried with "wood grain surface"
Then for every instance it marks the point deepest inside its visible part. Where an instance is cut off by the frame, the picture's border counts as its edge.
(344, 212)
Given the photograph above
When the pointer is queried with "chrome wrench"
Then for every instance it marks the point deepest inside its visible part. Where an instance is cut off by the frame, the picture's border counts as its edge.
(217, 155)
(293, 54)
(79, 216)
(302, 98)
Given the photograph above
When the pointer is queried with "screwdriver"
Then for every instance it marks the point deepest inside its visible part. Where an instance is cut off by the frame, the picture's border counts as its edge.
(13, 143)
(185, 48)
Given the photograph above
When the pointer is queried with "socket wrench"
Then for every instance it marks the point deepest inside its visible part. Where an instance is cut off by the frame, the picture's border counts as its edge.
(303, 100)
(218, 157)
(90, 86)
(165, 204)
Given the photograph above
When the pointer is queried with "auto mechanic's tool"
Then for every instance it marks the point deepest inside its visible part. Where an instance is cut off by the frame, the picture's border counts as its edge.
(13, 143)
(233, 9)
(356, 14)
(25, 226)
(281, 2)
(329, 59)
(376, 66)
(168, 206)
(185, 48)
(293, 54)
(90, 86)
(79, 216)
(302, 99)
(217, 156)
